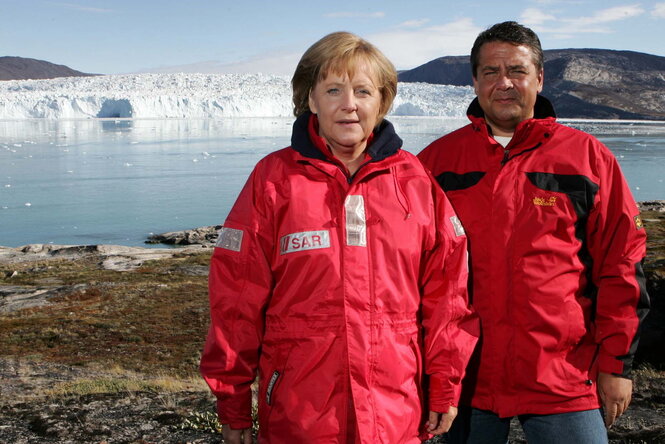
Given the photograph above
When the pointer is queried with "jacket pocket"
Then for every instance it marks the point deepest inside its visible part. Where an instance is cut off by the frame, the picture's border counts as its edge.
(271, 374)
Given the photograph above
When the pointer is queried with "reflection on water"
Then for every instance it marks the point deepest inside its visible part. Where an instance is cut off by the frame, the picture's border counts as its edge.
(115, 181)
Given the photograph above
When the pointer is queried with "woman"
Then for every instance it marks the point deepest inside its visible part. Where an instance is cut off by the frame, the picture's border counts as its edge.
(340, 265)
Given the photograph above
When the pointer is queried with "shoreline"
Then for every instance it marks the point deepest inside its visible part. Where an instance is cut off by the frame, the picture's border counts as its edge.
(169, 243)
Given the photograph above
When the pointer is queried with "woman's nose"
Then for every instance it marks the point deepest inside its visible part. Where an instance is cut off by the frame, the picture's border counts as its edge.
(349, 101)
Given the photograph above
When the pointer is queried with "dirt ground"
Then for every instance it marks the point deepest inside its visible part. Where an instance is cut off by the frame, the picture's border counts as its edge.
(93, 354)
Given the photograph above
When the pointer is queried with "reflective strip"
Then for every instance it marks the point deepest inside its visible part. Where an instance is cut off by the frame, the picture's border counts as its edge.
(306, 240)
(457, 226)
(356, 228)
(229, 239)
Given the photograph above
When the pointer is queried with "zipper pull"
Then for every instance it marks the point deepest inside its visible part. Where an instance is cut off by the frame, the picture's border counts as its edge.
(505, 159)
(271, 386)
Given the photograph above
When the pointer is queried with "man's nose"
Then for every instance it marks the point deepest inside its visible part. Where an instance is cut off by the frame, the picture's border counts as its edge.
(504, 82)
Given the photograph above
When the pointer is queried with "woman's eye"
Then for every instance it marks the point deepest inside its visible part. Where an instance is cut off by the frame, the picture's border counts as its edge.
(363, 92)
(333, 91)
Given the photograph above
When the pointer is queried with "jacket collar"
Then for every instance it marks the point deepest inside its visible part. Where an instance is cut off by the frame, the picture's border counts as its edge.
(384, 143)
(529, 134)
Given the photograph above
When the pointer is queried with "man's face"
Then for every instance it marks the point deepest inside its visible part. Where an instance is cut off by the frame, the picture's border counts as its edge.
(506, 83)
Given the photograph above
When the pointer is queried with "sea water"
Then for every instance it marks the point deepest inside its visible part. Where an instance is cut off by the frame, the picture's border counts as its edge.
(118, 181)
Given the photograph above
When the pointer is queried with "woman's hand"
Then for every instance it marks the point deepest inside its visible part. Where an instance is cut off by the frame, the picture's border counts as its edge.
(236, 436)
(440, 423)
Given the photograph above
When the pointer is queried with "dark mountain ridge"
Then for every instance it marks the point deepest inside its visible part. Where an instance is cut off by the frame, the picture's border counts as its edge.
(582, 83)
(21, 68)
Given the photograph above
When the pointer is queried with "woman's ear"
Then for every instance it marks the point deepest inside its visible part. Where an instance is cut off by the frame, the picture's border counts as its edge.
(312, 103)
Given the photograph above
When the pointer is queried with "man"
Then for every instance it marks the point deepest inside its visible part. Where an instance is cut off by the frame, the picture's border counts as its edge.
(556, 246)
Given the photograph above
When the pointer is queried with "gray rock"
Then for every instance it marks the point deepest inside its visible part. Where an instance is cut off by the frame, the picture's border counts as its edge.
(197, 236)
(652, 205)
(17, 297)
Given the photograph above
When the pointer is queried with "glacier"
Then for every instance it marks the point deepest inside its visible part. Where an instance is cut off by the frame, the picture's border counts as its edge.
(187, 95)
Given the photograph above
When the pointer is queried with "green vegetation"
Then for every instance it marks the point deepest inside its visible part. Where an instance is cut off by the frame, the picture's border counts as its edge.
(152, 320)
(123, 383)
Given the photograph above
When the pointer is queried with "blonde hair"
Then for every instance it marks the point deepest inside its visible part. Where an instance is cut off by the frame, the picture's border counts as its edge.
(341, 53)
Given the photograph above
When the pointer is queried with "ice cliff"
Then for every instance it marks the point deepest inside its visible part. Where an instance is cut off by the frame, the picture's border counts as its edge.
(193, 96)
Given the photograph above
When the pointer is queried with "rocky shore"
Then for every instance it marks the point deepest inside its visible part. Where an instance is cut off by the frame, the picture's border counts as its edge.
(100, 344)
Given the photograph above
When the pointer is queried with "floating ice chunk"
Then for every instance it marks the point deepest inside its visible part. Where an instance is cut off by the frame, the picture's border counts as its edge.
(28, 204)
(127, 164)
(9, 185)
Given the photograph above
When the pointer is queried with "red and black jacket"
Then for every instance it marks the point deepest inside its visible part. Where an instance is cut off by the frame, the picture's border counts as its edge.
(556, 247)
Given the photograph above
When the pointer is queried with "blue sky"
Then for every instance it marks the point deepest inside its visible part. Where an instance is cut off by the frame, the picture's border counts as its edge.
(122, 36)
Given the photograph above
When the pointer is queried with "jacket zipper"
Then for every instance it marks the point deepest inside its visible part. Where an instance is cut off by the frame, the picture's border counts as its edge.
(506, 153)
(593, 359)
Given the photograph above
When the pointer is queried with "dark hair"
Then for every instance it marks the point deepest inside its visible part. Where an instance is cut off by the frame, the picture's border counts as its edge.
(342, 52)
(509, 32)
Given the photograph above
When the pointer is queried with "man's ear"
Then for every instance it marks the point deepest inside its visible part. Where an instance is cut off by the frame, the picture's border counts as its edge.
(541, 77)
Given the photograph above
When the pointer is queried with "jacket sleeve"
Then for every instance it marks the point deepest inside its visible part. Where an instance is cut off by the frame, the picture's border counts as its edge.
(451, 327)
(617, 246)
(240, 284)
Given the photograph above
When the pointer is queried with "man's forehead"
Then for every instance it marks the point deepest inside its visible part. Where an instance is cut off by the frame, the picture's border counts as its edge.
(504, 53)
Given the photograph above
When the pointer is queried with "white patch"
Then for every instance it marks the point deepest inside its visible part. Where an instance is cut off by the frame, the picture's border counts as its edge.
(306, 240)
(457, 226)
(229, 239)
(356, 226)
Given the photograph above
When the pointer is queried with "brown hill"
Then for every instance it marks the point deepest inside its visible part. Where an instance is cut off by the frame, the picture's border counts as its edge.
(582, 83)
(20, 68)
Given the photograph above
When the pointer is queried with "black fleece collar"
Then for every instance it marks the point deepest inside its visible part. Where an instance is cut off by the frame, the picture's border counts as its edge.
(541, 110)
(385, 143)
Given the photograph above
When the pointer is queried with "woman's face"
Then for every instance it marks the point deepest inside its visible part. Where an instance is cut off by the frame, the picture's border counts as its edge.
(347, 108)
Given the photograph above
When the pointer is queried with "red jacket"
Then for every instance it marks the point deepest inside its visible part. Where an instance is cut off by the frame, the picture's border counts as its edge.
(334, 288)
(556, 247)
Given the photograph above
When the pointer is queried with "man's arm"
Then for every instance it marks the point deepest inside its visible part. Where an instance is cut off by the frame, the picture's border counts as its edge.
(617, 244)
